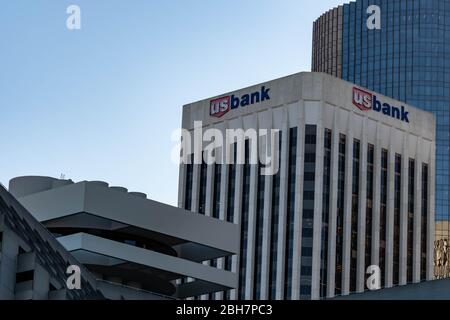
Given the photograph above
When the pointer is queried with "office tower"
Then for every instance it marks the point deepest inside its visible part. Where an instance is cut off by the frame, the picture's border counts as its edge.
(355, 186)
(408, 59)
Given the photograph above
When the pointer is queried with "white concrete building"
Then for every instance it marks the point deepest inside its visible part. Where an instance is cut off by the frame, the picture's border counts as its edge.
(33, 264)
(355, 188)
(135, 248)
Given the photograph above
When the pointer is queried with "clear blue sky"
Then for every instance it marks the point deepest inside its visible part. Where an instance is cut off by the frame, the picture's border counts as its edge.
(101, 103)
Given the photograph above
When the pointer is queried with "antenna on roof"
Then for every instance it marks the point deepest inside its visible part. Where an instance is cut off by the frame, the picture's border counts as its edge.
(62, 176)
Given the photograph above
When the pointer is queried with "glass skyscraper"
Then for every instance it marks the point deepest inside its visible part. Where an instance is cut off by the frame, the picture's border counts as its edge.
(408, 59)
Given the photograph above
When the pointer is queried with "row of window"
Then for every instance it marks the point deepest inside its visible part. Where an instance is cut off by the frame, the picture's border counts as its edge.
(308, 205)
(396, 62)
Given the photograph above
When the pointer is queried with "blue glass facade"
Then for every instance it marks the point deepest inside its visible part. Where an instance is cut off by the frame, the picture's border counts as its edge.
(408, 60)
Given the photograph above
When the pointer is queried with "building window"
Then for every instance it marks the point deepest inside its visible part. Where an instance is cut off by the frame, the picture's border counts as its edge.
(189, 181)
(424, 233)
(397, 208)
(290, 217)
(369, 204)
(230, 207)
(355, 206)
(203, 182)
(231, 186)
(383, 212)
(228, 267)
(340, 214)
(244, 222)
(308, 210)
(217, 191)
(259, 234)
(213, 264)
(25, 276)
(411, 203)
(325, 213)
(274, 225)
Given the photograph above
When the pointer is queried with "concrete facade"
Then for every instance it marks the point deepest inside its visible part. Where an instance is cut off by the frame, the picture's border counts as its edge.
(135, 247)
(305, 231)
(33, 264)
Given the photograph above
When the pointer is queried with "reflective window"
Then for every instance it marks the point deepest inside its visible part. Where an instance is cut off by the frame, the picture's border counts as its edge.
(397, 208)
(340, 215)
(325, 213)
(244, 222)
(354, 221)
(274, 226)
(290, 217)
(308, 211)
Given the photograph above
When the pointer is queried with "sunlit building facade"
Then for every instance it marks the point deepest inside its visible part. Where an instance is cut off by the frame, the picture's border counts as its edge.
(355, 187)
(408, 59)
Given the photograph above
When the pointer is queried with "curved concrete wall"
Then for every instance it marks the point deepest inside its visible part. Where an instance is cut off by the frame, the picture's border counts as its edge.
(27, 185)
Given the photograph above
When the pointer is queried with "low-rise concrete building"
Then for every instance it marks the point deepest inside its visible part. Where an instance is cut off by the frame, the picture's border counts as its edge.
(33, 264)
(355, 186)
(129, 241)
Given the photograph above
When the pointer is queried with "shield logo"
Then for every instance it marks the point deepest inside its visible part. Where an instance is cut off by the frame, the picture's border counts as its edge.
(362, 99)
(219, 107)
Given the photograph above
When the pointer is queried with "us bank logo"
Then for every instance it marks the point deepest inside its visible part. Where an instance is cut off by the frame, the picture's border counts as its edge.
(221, 106)
(367, 101)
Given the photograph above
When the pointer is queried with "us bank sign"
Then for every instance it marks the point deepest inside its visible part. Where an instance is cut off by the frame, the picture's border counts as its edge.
(367, 101)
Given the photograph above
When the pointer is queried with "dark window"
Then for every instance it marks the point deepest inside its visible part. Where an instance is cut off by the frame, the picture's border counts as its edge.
(383, 213)
(25, 276)
(308, 210)
(355, 207)
(369, 204)
(259, 234)
(228, 267)
(244, 222)
(274, 225)
(230, 206)
(424, 233)
(397, 208)
(216, 192)
(203, 182)
(212, 263)
(289, 249)
(325, 213)
(305, 290)
(189, 181)
(410, 241)
(340, 214)
(231, 186)
(216, 204)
